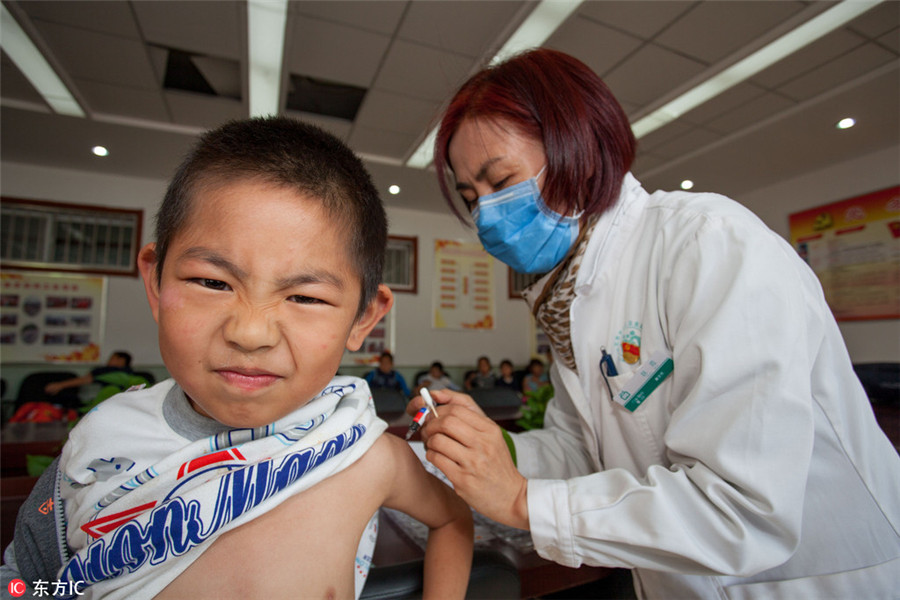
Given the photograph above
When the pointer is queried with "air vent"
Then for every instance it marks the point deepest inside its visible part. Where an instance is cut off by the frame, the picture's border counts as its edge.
(200, 74)
(324, 97)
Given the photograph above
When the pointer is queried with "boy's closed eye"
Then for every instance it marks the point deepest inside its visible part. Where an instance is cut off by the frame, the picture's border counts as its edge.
(213, 284)
(299, 299)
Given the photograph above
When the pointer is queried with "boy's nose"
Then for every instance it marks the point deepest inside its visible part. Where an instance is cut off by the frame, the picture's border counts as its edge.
(250, 329)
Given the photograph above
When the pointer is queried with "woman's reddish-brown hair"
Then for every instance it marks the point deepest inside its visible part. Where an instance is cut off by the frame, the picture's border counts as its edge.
(555, 98)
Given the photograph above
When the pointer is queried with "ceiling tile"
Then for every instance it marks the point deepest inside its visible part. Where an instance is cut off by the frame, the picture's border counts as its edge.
(891, 41)
(759, 109)
(713, 30)
(469, 28)
(643, 19)
(823, 50)
(380, 16)
(663, 135)
(99, 56)
(102, 16)
(437, 74)
(334, 52)
(379, 142)
(598, 46)
(645, 162)
(336, 127)
(202, 111)
(208, 27)
(686, 143)
(877, 21)
(125, 101)
(650, 73)
(838, 71)
(15, 85)
(388, 111)
(728, 100)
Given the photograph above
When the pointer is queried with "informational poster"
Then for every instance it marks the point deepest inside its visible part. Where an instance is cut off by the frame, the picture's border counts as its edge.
(49, 317)
(381, 338)
(463, 294)
(854, 248)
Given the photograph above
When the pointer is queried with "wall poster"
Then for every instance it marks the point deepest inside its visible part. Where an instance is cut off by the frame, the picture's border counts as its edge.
(854, 248)
(381, 338)
(51, 317)
(463, 289)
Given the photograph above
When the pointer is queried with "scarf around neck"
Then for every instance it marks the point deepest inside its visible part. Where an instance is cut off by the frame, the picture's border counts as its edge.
(141, 505)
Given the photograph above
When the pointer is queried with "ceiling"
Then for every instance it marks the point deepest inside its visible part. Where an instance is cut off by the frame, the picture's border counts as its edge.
(405, 58)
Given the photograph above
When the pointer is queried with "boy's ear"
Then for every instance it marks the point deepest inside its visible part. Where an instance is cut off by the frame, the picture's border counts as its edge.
(147, 266)
(377, 308)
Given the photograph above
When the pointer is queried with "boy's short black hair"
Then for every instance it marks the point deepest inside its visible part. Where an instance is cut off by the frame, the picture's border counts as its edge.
(293, 154)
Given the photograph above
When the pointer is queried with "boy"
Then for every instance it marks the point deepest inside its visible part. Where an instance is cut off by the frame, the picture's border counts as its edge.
(270, 243)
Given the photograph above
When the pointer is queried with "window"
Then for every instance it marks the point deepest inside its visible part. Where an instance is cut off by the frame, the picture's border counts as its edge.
(69, 237)
(400, 264)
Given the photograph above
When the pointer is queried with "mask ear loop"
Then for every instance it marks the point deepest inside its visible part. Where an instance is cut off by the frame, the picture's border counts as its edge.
(576, 214)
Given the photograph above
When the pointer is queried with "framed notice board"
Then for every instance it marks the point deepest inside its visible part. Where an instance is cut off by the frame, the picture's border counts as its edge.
(854, 247)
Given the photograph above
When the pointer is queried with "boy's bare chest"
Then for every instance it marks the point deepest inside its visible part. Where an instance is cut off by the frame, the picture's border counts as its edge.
(306, 546)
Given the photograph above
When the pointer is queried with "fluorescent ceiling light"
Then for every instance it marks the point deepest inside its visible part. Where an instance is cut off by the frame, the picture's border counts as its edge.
(35, 67)
(539, 26)
(266, 22)
(766, 56)
(534, 31)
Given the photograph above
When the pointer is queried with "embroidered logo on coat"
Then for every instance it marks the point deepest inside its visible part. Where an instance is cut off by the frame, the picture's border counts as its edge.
(629, 342)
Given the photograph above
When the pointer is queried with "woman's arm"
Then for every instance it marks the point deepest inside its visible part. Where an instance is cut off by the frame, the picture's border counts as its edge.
(448, 555)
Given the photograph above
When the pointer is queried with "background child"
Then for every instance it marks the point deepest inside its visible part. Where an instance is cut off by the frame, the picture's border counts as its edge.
(269, 252)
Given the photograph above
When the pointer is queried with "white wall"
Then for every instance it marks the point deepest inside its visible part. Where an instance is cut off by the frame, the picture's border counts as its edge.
(867, 341)
(130, 326)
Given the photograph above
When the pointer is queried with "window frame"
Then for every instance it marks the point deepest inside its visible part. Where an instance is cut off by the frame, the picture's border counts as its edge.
(72, 208)
(412, 243)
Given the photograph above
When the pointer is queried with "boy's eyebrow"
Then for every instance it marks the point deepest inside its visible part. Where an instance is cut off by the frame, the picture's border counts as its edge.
(482, 173)
(326, 277)
(216, 259)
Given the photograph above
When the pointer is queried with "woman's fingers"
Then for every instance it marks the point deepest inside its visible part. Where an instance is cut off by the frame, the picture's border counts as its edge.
(444, 398)
(470, 451)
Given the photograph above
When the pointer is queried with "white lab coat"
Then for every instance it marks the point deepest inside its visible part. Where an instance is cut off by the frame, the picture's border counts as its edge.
(756, 469)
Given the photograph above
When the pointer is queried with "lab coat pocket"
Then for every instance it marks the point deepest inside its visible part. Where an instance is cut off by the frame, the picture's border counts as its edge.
(633, 388)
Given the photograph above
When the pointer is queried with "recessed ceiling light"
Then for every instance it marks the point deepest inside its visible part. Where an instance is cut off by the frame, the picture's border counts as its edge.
(100, 150)
(394, 189)
(687, 184)
(846, 123)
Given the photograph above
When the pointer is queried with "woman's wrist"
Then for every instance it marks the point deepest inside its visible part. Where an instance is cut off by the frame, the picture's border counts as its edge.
(520, 508)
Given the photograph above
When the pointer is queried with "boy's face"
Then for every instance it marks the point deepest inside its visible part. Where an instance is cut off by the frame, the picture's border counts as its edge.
(257, 302)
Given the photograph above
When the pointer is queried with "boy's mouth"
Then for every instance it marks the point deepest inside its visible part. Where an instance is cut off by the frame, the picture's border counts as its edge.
(248, 379)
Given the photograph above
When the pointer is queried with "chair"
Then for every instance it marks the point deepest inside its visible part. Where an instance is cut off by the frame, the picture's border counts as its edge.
(32, 389)
(881, 381)
(497, 397)
(388, 402)
(493, 576)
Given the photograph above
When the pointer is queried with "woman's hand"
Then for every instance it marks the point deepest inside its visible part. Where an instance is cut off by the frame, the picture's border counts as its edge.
(469, 449)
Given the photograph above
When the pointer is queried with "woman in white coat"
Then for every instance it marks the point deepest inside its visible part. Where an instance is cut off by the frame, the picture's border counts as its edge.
(707, 428)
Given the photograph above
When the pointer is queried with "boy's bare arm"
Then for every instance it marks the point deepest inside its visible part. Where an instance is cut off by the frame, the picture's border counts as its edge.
(448, 556)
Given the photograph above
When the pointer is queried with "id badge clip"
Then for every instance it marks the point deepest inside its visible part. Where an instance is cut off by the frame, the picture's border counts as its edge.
(645, 380)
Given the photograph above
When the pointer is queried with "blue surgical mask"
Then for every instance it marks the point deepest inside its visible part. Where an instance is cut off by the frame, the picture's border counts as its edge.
(516, 226)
